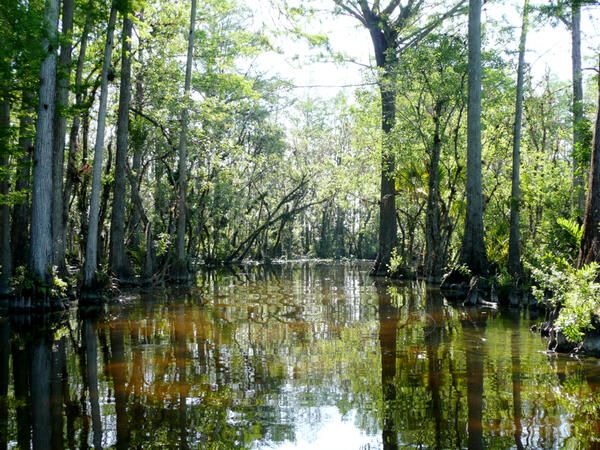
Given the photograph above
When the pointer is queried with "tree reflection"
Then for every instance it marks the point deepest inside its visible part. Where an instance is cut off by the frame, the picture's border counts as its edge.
(90, 346)
(388, 322)
(4, 357)
(473, 325)
(180, 362)
(40, 390)
(118, 371)
(21, 377)
(515, 352)
(434, 308)
(265, 355)
(58, 393)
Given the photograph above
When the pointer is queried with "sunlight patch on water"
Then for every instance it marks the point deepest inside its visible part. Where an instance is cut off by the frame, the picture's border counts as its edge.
(333, 432)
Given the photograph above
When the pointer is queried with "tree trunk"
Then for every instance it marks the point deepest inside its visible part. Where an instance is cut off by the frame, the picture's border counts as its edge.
(590, 241)
(578, 179)
(40, 252)
(104, 197)
(433, 235)
(91, 253)
(82, 198)
(71, 178)
(60, 127)
(138, 139)
(5, 253)
(118, 257)
(388, 233)
(181, 272)
(20, 222)
(514, 242)
(473, 253)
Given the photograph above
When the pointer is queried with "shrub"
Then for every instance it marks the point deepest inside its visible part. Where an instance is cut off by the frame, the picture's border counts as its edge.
(575, 292)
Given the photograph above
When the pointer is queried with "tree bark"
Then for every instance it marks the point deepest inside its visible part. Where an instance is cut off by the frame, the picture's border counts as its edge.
(473, 253)
(60, 127)
(20, 221)
(82, 198)
(71, 177)
(91, 253)
(388, 232)
(40, 252)
(5, 250)
(514, 241)
(590, 241)
(118, 257)
(181, 272)
(138, 139)
(433, 236)
(578, 179)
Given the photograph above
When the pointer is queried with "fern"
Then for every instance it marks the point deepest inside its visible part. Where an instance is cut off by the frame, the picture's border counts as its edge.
(572, 228)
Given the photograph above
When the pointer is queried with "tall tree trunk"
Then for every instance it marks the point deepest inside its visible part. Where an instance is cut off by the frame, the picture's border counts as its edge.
(138, 138)
(71, 177)
(590, 241)
(118, 258)
(40, 252)
(91, 251)
(388, 232)
(433, 235)
(107, 188)
(514, 241)
(578, 179)
(181, 272)
(473, 253)
(20, 221)
(60, 127)
(82, 198)
(5, 250)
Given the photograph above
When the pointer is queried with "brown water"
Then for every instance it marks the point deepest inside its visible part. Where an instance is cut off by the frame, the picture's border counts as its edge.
(295, 356)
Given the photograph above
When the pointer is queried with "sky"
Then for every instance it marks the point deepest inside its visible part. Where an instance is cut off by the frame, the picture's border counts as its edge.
(548, 47)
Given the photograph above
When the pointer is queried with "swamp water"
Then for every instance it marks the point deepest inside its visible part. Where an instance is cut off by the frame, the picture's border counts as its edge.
(311, 356)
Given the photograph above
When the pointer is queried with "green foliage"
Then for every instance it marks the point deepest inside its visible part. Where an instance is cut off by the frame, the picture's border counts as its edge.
(26, 284)
(397, 262)
(574, 291)
(162, 243)
(583, 148)
(573, 230)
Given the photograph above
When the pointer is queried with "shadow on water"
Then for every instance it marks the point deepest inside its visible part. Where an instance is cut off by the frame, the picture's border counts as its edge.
(291, 355)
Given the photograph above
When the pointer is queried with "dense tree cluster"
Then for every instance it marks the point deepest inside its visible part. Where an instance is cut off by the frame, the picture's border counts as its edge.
(139, 139)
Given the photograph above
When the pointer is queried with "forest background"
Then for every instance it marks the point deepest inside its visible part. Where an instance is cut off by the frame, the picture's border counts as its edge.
(175, 148)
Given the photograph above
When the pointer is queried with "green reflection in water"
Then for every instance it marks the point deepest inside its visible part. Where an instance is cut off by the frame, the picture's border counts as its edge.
(297, 355)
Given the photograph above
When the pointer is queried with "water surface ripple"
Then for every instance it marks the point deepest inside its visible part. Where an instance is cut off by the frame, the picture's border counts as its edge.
(304, 355)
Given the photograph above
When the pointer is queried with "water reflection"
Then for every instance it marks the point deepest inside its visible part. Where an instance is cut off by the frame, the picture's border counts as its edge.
(306, 356)
(515, 359)
(4, 351)
(473, 323)
(388, 324)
